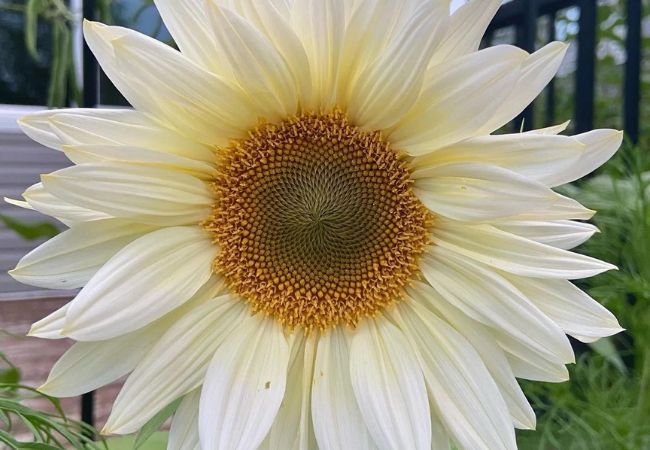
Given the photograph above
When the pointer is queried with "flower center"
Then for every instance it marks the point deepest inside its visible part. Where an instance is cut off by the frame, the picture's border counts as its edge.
(316, 221)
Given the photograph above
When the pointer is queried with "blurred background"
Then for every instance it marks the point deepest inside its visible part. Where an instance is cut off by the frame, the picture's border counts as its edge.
(602, 84)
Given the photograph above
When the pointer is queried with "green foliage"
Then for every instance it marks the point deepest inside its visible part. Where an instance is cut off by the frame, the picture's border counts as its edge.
(48, 431)
(30, 231)
(150, 428)
(606, 404)
(56, 15)
(157, 441)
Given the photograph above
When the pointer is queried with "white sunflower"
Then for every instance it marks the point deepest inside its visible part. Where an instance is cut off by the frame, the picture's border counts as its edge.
(306, 231)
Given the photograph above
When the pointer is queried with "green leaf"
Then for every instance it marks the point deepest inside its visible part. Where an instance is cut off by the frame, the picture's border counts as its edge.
(10, 376)
(154, 424)
(61, 60)
(30, 231)
(32, 10)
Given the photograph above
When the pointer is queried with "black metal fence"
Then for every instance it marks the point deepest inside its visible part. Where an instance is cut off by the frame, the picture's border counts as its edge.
(524, 16)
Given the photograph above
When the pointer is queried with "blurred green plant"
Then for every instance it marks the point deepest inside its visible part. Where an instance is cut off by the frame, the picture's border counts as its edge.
(30, 231)
(47, 431)
(606, 404)
(63, 83)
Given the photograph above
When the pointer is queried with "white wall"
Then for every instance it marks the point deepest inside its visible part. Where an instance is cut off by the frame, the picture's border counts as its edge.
(22, 161)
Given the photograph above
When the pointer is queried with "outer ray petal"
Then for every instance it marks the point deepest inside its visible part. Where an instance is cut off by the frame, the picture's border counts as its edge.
(189, 24)
(244, 386)
(142, 194)
(273, 18)
(145, 280)
(538, 157)
(99, 153)
(492, 355)
(56, 128)
(389, 387)
(184, 432)
(320, 24)
(564, 234)
(384, 92)
(337, 420)
(466, 29)
(257, 66)
(573, 310)
(537, 71)
(458, 101)
(479, 192)
(50, 326)
(70, 259)
(42, 201)
(466, 397)
(159, 80)
(487, 297)
(513, 254)
(600, 147)
(530, 366)
(177, 363)
(89, 365)
(293, 429)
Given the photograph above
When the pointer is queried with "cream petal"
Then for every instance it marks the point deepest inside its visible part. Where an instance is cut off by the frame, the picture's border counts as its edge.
(145, 280)
(50, 327)
(564, 208)
(244, 386)
(564, 234)
(459, 100)
(572, 309)
(384, 91)
(513, 254)
(189, 24)
(529, 366)
(184, 431)
(478, 192)
(465, 395)
(112, 127)
(293, 429)
(90, 365)
(320, 25)
(139, 193)
(492, 355)
(158, 80)
(548, 131)
(537, 157)
(44, 202)
(257, 66)
(70, 259)
(364, 42)
(600, 147)
(389, 387)
(338, 423)
(176, 364)
(467, 25)
(536, 72)
(273, 18)
(99, 153)
(487, 297)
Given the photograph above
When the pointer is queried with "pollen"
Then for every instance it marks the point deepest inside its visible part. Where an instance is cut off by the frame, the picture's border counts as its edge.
(316, 221)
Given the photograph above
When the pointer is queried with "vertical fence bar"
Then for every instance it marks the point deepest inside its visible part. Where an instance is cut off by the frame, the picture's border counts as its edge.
(633, 70)
(526, 39)
(90, 67)
(549, 113)
(586, 70)
(90, 100)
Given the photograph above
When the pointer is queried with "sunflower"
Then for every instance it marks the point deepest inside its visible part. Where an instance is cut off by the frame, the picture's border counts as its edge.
(306, 234)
